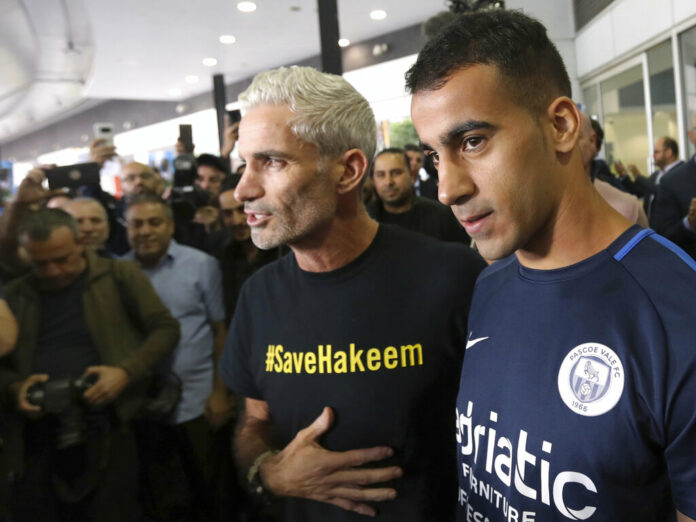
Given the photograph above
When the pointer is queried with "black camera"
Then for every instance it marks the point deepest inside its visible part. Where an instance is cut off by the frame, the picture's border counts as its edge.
(63, 398)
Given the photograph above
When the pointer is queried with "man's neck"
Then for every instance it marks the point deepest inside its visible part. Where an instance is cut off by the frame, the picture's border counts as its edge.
(581, 225)
(151, 261)
(342, 241)
(399, 208)
(669, 166)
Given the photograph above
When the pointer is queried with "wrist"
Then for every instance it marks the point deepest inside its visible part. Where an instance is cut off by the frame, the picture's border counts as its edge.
(259, 475)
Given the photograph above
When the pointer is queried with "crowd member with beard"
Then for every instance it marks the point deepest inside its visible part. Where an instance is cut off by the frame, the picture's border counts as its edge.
(239, 257)
(92, 223)
(397, 203)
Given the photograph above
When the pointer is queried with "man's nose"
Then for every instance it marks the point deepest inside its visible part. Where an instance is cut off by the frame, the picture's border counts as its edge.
(455, 183)
(249, 188)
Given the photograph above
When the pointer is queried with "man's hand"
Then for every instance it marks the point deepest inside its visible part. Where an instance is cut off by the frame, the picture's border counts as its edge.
(100, 151)
(305, 469)
(31, 191)
(219, 408)
(110, 384)
(620, 169)
(230, 135)
(634, 171)
(20, 389)
(692, 213)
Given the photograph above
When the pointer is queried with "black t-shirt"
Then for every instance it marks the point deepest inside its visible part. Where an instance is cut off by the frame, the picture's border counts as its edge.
(380, 340)
(65, 347)
(425, 216)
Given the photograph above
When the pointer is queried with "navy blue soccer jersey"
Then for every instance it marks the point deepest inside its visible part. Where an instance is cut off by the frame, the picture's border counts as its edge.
(577, 398)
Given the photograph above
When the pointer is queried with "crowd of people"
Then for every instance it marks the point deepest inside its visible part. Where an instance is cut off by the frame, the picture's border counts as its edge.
(291, 341)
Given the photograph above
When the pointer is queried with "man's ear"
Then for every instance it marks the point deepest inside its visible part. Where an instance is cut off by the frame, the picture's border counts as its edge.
(564, 116)
(354, 164)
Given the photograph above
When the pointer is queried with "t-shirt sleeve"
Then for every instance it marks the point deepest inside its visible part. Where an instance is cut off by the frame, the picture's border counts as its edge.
(212, 290)
(236, 365)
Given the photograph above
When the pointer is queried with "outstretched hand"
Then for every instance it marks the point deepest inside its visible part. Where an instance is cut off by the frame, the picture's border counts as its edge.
(307, 470)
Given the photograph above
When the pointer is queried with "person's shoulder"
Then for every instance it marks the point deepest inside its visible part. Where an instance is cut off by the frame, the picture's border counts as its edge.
(665, 273)
(18, 284)
(191, 254)
(428, 250)
(679, 173)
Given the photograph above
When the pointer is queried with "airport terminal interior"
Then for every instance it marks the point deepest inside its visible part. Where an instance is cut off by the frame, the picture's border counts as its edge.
(176, 316)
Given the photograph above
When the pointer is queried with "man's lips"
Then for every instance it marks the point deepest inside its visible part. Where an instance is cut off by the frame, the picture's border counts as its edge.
(255, 218)
(474, 223)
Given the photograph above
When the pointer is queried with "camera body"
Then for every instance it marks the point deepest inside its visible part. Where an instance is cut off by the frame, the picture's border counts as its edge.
(63, 398)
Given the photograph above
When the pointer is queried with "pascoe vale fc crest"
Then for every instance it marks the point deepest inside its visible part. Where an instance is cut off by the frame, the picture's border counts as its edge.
(591, 379)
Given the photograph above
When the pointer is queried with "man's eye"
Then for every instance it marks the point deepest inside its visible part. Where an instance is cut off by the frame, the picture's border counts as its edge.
(472, 143)
(275, 163)
(434, 157)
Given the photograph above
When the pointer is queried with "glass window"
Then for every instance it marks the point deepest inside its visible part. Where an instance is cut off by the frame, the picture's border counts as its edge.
(592, 106)
(591, 96)
(687, 44)
(625, 123)
(662, 92)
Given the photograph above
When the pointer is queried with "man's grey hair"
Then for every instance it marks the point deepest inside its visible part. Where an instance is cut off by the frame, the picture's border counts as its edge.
(39, 225)
(329, 113)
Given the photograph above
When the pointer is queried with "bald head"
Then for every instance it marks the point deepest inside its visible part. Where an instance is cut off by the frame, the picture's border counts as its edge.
(137, 178)
(92, 222)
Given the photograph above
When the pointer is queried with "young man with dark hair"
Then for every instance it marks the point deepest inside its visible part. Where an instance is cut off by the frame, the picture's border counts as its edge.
(425, 185)
(238, 256)
(211, 171)
(561, 414)
(397, 203)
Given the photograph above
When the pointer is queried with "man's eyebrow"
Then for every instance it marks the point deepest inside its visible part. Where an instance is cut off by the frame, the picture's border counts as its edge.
(455, 132)
(265, 154)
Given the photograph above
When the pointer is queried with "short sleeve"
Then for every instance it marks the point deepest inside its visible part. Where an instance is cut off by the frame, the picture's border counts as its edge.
(212, 290)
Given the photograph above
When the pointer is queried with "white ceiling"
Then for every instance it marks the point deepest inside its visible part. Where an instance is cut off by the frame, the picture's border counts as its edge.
(144, 49)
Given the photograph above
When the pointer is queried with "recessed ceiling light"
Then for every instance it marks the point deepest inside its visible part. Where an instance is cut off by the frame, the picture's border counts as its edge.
(191, 78)
(344, 42)
(378, 14)
(174, 92)
(209, 62)
(227, 39)
(246, 7)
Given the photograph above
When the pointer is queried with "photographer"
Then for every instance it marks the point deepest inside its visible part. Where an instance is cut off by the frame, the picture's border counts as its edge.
(91, 329)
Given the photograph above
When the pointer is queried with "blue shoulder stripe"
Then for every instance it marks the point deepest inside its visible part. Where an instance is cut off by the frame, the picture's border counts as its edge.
(674, 248)
(633, 242)
(662, 240)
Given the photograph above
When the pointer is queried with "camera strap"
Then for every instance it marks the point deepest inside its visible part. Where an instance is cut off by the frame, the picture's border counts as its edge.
(95, 454)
